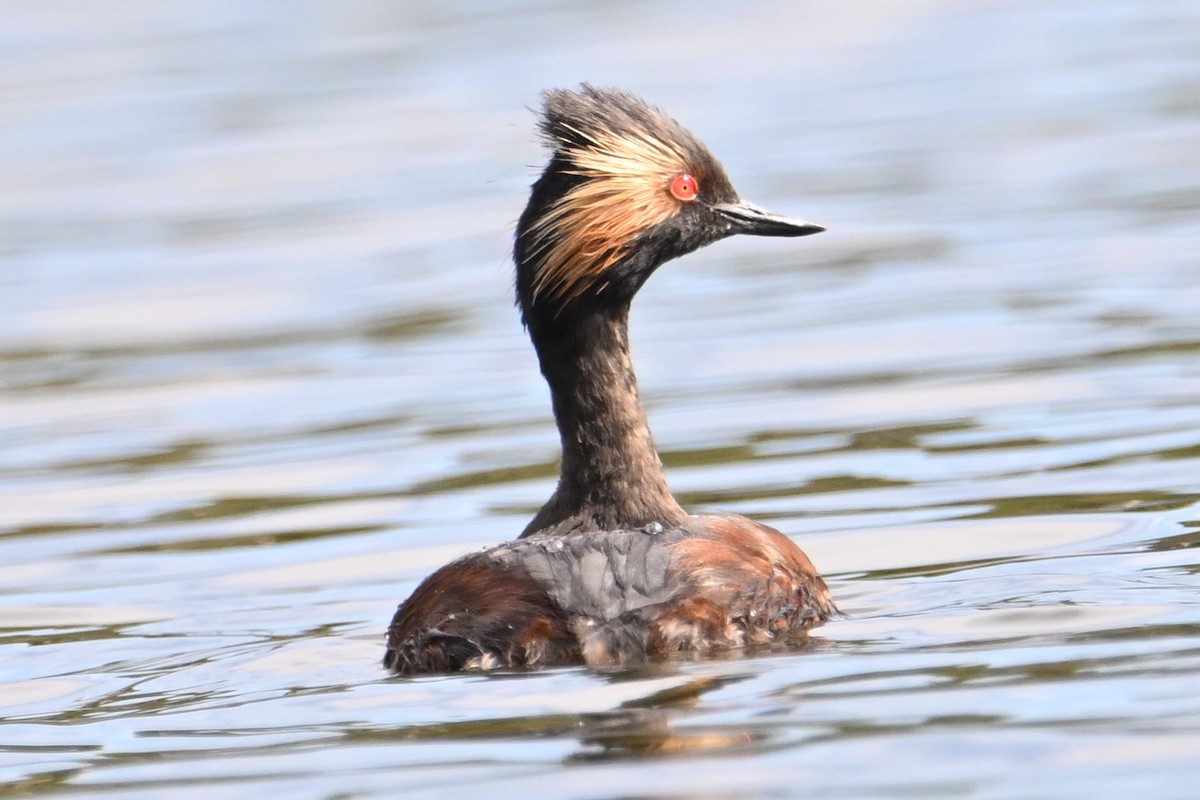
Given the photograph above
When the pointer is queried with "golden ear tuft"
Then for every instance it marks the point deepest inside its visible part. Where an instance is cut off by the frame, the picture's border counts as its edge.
(628, 186)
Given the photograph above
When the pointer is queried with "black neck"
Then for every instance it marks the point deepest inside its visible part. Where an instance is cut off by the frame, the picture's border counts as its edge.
(611, 474)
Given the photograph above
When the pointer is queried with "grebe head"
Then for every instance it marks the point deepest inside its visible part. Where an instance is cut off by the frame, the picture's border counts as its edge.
(627, 188)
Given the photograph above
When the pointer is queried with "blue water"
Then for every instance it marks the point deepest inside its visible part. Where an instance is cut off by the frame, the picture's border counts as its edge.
(260, 373)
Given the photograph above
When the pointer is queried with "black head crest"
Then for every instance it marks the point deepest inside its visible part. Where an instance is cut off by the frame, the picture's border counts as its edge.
(609, 181)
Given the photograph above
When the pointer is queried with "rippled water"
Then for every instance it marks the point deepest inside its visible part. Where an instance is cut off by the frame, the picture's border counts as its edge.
(260, 373)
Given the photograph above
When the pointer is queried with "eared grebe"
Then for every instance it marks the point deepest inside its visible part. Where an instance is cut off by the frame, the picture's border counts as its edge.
(611, 570)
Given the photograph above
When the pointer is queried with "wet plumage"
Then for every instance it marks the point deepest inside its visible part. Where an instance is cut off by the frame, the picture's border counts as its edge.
(611, 570)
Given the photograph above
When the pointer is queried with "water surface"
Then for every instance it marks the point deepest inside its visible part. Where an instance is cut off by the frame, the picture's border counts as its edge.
(260, 373)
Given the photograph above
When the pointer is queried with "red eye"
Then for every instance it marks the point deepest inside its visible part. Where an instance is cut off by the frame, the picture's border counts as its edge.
(684, 188)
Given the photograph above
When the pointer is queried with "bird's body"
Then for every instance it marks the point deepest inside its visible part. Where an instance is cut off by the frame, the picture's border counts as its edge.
(611, 570)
